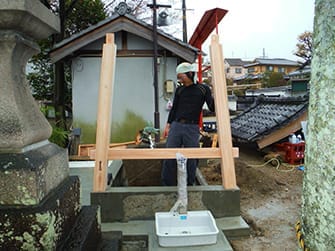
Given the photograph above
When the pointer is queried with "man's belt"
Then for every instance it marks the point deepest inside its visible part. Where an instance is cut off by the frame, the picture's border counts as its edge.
(185, 121)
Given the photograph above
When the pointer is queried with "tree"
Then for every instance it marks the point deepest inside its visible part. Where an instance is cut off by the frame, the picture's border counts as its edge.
(273, 79)
(304, 47)
(47, 79)
(40, 75)
(83, 14)
(318, 197)
(75, 15)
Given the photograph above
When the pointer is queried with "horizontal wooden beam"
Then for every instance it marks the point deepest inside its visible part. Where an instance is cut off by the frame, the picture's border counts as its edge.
(165, 153)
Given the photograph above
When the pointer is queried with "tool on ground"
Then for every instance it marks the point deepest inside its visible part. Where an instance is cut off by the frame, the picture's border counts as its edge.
(146, 136)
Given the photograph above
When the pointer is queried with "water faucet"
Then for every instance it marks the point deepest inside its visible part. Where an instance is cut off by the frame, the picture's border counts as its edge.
(179, 208)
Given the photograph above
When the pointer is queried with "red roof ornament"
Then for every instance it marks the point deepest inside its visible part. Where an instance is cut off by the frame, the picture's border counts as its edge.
(207, 24)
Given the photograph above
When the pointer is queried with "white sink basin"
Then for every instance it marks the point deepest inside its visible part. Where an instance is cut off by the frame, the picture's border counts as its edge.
(191, 229)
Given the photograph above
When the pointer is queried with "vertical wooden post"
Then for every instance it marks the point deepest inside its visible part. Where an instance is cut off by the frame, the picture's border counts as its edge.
(104, 113)
(222, 114)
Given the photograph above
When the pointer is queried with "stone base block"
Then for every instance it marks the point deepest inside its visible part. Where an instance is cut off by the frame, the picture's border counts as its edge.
(111, 241)
(26, 178)
(41, 227)
(86, 233)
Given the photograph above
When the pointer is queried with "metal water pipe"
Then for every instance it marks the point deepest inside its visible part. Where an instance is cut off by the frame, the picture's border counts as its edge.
(154, 7)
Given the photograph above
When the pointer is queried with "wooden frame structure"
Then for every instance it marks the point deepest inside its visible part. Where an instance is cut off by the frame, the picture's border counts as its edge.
(103, 153)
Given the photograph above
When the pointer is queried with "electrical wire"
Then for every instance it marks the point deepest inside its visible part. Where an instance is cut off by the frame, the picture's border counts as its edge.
(292, 167)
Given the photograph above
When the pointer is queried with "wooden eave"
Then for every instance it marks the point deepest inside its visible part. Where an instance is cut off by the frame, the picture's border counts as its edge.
(283, 132)
(122, 53)
(122, 23)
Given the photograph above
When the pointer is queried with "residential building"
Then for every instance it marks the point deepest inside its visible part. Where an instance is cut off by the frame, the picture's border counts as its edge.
(300, 80)
(234, 67)
(257, 68)
(281, 65)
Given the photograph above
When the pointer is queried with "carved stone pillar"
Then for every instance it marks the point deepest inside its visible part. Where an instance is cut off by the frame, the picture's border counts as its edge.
(39, 202)
(30, 165)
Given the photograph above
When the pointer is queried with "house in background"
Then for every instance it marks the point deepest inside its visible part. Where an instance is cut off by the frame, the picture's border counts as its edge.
(298, 85)
(261, 65)
(299, 80)
(133, 95)
(257, 68)
(234, 67)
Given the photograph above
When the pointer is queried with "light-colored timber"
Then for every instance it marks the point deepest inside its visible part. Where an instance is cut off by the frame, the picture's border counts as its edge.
(104, 113)
(222, 108)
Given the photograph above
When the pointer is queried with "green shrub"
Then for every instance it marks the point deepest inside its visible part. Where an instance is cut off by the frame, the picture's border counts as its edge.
(59, 136)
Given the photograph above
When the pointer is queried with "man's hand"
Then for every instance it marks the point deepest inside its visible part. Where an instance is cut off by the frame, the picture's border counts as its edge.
(166, 130)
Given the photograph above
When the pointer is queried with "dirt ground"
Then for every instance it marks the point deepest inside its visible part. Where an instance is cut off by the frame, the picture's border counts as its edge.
(270, 201)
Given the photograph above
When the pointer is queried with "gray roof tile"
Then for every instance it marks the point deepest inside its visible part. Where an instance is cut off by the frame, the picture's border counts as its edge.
(266, 116)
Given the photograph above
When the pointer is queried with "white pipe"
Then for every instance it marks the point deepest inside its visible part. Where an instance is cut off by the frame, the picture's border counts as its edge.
(181, 204)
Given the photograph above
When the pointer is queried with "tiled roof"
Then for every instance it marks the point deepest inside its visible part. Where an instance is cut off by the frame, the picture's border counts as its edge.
(272, 61)
(284, 88)
(249, 76)
(235, 61)
(265, 116)
(306, 70)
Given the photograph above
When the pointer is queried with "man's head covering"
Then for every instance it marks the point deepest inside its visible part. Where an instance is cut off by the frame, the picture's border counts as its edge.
(186, 67)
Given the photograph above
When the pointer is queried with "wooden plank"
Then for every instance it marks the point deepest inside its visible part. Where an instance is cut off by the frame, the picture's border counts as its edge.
(222, 109)
(164, 153)
(83, 149)
(283, 132)
(215, 140)
(104, 113)
(79, 158)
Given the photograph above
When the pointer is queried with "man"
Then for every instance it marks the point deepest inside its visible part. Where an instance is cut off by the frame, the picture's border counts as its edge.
(182, 126)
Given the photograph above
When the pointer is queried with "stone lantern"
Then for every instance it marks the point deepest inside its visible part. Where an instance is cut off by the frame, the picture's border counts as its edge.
(39, 201)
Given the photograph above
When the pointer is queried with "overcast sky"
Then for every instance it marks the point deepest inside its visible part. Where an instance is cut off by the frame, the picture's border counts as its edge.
(251, 26)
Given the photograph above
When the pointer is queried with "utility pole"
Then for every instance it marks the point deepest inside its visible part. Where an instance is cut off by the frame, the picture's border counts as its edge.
(154, 6)
(184, 9)
(184, 22)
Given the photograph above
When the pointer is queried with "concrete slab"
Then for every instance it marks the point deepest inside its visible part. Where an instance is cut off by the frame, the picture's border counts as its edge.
(84, 170)
(86, 183)
(148, 228)
(233, 227)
